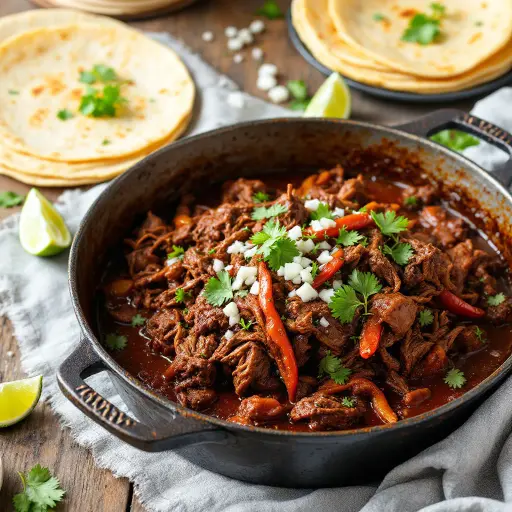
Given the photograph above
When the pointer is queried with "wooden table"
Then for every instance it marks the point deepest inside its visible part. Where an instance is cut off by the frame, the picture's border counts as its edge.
(40, 439)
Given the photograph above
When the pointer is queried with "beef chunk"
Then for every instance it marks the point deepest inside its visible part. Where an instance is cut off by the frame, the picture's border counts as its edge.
(301, 348)
(395, 309)
(241, 190)
(425, 193)
(142, 260)
(256, 409)
(296, 213)
(447, 230)
(500, 314)
(206, 318)
(197, 399)
(462, 258)
(412, 349)
(417, 397)
(161, 328)
(380, 265)
(191, 372)
(352, 188)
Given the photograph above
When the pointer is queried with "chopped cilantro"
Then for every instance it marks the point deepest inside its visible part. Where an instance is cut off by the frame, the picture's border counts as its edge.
(282, 252)
(348, 238)
(64, 114)
(104, 103)
(177, 252)
(389, 223)
(411, 201)
(138, 320)
(314, 269)
(298, 89)
(260, 197)
(9, 199)
(99, 73)
(13, 92)
(212, 251)
(378, 16)
(455, 378)
(299, 105)
(495, 300)
(218, 289)
(348, 401)
(331, 366)
(261, 212)
(400, 252)
(322, 212)
(105, 142)
(426, 317)
(424, 29)
(438, 9)
(270, 10)
(245, 325)
(480, 334)
(478, 23)
(41, 491)
(116, 341)
(455, 139)
(242, 293)
(181, 295)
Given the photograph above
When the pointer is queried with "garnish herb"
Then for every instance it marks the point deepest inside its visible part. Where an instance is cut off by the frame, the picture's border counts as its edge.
(478, 23)
(389, 223)
(299, 91)
(322, 212)
(13, 92)
(348, 401)
(455, 139)
(314, 269)
(438, 9)
(348, 238)
(245, 325)
(242, 293)
(299, 105)
(99, 73)
(411, 201)
(116, 341)
(426, 317)
(480, 334)
(41, 491)
(378, 17)
(270, 10)
(104, 103)
(331, 366)
(345, 300)
(105, 142)
(218, 289)
(177, 252)
(138, 320)
(400, 252)
(495, 300)
(181, 295)
(424, 29)
(64, 114)
(455, 378)
(260, 197)
(261, 212)
(276, 248)
(9, 199)
(212, 251)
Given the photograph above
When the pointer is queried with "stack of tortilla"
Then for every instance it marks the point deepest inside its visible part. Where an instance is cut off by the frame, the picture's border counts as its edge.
(42, 56)
(362, 40)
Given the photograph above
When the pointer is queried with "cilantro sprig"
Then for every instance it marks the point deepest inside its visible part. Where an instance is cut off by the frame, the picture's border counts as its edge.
(348, 238)
(411, 201)
(64, 114)
(389, 223)
(349, 297)
(424, 28)
(331, 366)
(244, 324)
(177, 252)
(138, 320)
(41, 491)
(99, 73)
(261, 212)
(260, 197)
(218, 289)
(496, 300)
(322, 212)
(299, 91)
(455, 139)
(270, 10)
(480, 334)
(9, 199)
(116, 341)
(455, 378)
(181, 295)
(400, 252)
(425, 317)
(348, 401)
(101, 103)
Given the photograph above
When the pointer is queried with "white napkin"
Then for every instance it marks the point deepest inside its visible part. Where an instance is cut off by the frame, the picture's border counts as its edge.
(474, 461)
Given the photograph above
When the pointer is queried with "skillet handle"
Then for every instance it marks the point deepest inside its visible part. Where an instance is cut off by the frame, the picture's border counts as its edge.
(179, 432)
(459, 120)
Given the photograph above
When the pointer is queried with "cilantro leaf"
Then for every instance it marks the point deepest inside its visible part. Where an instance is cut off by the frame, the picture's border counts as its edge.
(261, 212)
(480, 334)
(104, 103)
(455, 378)
(348, 401)
(344, 303)
(401, 253)
(331, 366)
(426, 317)
(99, 73)
(365, 283)
(13, 92)
(411, 201)
(181, 295)
(260, 197)
(105, 142)
(9, 199)
(348, 238)
(378, 17)
(298, 89)
(455, 139)
(177, 252)
(496, 300)
(273, 244)
(271, 232)
(270, 10)
(314, 269)
(242, 293)
(389, 223)
(218, 289)
(321, 212)
(41, 491)
(245, 325)
(138, 320)
(282, 252)
(300, 105)
(115, 341)
(438, 9)
(64, 114)
(422, 29)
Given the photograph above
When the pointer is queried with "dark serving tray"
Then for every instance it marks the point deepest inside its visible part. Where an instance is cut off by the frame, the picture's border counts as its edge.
(389, 94)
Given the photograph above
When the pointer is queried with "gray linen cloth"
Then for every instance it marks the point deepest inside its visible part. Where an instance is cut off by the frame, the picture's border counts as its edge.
(471, 470)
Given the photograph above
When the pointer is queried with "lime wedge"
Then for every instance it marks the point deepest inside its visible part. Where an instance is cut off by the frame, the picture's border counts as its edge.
(18, 399)
(331, 100)
(42, 229)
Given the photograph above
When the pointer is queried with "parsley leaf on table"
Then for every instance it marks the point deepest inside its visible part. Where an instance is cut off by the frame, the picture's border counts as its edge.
(9, 199)
(455, 139)
(245, 325)
(177, 252)
(41, 491)
(389, 223)
(426, 317)
(116, 341)
(270, 10)
(455, 378)
(331, 366)
(322, 212)
(64, 114)
(348, 238)
(138, 320)
(496, 300)
(348, 401)
(260, 197)
(400, 252)
(181, 295)
(261, 212)
(218, 289)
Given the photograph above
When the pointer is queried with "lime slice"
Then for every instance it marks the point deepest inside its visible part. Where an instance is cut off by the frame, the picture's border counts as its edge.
(18, 399)
(42, 229)
(331, 100)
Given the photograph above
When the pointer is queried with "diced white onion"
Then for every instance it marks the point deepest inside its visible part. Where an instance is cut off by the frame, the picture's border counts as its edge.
(251, 252)
(327, 223)
(306, 276)
(245, 36)
(266, 82)
(316, 226)
(237, 58)
(233, 320)
(228, 267)
(255, 288)
(267, 70)
(218, 265)
(295, 233)
(305, 246)
(207, 36)
(230, 309)
(324, 257)
(229, 334)
(280, 271)
(235, 44)
(324, 245)
(337, 284)
(292, 293)
(250, 280)
(257, 53)
(279, 94)
(297, 280)
(236, 247)
(305, 262)
(307, 293)
(338, 212)
(326, 294)
(171, 261)
(312, 204)
(292, 270)
(245, 275)
(230, 31)
(257, 26)
(324, 322)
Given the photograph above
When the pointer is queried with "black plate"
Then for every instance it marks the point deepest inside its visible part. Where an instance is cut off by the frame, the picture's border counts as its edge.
(380, 92)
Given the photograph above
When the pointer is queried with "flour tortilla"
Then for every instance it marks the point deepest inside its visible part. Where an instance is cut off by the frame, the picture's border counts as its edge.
(472, 31)
(313, 24)
(44, 66)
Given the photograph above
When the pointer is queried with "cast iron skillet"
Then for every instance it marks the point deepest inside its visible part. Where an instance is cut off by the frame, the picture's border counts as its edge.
(258, 455)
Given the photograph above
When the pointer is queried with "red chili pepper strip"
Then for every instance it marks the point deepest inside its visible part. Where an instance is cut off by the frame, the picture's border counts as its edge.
(330, 269)
(353, 221)
(458, 306)
(281, 348)
(370, 337)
